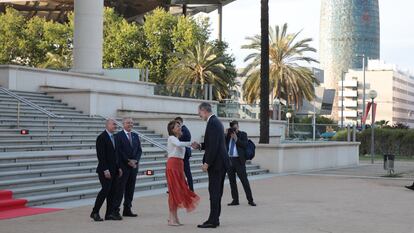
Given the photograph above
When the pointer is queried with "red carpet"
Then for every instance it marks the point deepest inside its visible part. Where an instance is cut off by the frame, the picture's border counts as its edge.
(13, 208)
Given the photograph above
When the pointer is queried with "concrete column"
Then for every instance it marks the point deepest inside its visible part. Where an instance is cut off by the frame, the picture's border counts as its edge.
(220, 22)
(88, 36)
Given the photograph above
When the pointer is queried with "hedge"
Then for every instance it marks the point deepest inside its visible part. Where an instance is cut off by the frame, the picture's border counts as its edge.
(399, 142)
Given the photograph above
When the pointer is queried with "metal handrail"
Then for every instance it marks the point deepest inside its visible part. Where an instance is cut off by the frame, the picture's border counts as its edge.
(21, 99)
(143, 136)
(31, 104)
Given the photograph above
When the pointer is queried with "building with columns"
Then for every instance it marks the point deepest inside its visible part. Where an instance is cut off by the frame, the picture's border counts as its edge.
(88, 34)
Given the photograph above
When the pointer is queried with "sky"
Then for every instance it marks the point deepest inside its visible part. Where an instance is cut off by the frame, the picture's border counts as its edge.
(242, 18)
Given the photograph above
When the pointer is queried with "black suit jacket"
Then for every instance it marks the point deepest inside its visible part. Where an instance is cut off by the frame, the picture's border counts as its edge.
(106, 153)
(124, 149)
(186, 137)
(241, 145)
(215, 154)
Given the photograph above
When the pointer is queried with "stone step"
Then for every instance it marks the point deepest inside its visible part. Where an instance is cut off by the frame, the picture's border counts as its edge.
(31, 96)
(43, 118)
(53, 126)
(93, 184)
(23, 119)
(13, 101)
(27, 156)
(24, 108)
(90, 160)
(58, 136)
(31, 93)
(33, 111)
(74, 170)
(53, 141)
(92, 192)
(34, 181)
(65, 131)
(39, 115)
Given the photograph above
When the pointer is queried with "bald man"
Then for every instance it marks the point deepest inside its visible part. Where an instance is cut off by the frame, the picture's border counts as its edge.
(129, 152)
(108, 172)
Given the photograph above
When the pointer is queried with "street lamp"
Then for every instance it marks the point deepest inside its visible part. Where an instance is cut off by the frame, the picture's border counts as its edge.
(363, 87)
(372, 95)
(288, 116)
(276, 102)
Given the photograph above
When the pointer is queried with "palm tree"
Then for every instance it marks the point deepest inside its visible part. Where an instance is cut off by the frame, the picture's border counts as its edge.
(56, 61)
(288, 79)
(199, 66)
(264, 73)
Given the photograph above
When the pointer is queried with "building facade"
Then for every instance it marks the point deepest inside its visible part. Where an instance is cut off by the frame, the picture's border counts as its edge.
(395, 88)
(349, 29)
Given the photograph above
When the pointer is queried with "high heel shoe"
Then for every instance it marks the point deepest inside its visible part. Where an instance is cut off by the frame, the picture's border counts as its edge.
(170, 223)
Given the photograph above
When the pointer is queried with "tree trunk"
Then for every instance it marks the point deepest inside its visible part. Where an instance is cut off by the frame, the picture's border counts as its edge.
(264, 74)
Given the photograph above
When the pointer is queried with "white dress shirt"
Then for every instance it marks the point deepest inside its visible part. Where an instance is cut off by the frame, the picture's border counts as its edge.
(176, 148)
(126, 133)
(235, 154)
(209, 117)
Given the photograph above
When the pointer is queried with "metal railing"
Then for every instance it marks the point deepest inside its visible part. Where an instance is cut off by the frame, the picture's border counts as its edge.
(193, 91)
(143, 136)
(21, 99)
(246, 111)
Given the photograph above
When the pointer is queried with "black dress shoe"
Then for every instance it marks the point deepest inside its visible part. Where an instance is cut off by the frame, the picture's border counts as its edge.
(96, 217)
(115, 217)
(233, 203)
(208, 225)
(410, 187)
(252, 203)
(128, 213)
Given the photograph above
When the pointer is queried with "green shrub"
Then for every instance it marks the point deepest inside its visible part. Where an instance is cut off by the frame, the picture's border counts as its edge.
(399, 142)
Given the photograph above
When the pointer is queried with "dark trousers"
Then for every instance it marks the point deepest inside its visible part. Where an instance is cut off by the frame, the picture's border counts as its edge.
(187, 170)
(215, 189)
(108, 192)
(126, 188)
(239, 168)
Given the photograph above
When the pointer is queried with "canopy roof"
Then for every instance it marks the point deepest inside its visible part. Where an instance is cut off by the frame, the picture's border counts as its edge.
(131, 9)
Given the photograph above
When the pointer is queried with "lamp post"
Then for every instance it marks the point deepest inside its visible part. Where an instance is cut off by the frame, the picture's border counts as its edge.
(363, 87)
(276, 115)
(342, 99)
(288, 116)
(372, 95)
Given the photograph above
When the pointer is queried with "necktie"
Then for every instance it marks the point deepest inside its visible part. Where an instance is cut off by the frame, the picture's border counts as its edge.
(232, 144)
(130, 138)
(112, 140)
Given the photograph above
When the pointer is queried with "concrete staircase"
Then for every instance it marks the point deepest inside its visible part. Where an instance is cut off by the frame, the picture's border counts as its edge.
(63, 168)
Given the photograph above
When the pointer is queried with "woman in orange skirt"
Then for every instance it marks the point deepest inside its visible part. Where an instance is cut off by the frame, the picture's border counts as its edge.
(180, 196)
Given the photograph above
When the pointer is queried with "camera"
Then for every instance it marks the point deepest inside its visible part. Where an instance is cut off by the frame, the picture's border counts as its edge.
(231, 131)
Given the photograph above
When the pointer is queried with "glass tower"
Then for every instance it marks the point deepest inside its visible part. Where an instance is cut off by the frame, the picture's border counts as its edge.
(348, 29)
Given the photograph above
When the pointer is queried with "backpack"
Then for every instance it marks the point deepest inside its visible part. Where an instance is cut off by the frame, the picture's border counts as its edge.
(250, 150)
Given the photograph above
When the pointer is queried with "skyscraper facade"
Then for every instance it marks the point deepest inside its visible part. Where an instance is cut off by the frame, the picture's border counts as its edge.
(348, 30)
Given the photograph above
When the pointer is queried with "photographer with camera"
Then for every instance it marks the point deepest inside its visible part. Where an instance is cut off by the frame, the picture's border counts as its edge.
(236, 142)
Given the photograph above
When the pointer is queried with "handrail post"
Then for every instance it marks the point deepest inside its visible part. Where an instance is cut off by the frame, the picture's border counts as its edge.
(48, 130)
(354, 133)
(18, 114)
(210, 92)
(348, 129)
(205, 91)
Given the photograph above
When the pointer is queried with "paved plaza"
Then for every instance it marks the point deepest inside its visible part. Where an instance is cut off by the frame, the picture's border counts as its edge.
(343, 200)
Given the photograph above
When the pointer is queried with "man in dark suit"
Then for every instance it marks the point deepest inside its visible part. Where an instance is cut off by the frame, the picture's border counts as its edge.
(236, 142)
(128, 148)
(186, 137)
(215, 162)
(108, 172)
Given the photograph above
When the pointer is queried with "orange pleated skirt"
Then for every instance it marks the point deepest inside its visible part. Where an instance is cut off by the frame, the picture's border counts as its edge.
(179, 195)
